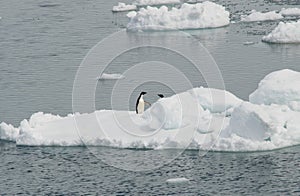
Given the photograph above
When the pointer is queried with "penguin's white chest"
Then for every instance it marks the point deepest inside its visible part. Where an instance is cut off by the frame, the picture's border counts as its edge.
(141, 106)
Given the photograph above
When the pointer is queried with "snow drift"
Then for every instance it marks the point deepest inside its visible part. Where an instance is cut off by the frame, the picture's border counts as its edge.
(201, 118)
(288, 32)
(259, 16)
(188, 16)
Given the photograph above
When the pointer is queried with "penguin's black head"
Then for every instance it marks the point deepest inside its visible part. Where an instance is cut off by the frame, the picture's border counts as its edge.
(161, 95)
(143, 93)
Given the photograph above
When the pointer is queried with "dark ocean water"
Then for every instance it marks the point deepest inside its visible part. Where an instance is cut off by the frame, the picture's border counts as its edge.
(43, 43)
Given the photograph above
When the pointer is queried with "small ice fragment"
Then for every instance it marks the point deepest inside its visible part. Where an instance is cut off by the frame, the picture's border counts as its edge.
(248, 43)
(177, 180)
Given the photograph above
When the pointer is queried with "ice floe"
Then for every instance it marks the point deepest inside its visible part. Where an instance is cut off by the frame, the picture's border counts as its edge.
(188, 16)
(285, 32)
(200, 118)
(259, 16)
(290, 11)
(121, 7)
(156, 2)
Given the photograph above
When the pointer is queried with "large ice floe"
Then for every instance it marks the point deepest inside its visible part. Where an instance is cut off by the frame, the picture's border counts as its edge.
(259, 16)
(188, 16)
(200, 118)
(288, 32)
(156, 2)
(122, 7)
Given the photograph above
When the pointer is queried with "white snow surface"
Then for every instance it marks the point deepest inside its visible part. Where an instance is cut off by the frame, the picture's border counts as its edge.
(290, 11)
(259, 16)
(279, 87)
(121, 7)
(285, 33)
(156, 2)
(107, 76)
(200, 118)
(188, 16)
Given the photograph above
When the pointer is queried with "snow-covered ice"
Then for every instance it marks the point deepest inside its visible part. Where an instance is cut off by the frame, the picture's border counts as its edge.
(279, 87)
(121, 7)
(288, 32)
(156, 2)
(290, 11)
(107, 76)
(188, 16)
(259, 16)
(203, 118)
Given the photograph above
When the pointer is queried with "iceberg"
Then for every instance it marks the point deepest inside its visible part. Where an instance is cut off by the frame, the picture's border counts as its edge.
(156, 2)
(285, 33)
(290, 12)
(122, 7)
(200, 118)
(259, 16)
(188, 16)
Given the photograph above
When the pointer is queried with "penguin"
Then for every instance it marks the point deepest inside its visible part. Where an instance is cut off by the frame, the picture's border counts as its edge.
(161, 95)
(140, 103)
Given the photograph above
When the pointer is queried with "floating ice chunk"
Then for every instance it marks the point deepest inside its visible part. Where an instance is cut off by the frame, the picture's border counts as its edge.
(290, 11)
(121, 7)
(259, 16)
(188, 16)
(279, 87)
(156, 2)
(188, 118)
(248, 43)
(288, 32)
(177, 180)
(106, 76)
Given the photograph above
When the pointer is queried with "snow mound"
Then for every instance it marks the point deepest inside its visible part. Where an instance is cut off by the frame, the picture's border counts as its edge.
(121, 7)
(288, 32)
(259, 16)
(259, 127)
(223, 100)
(156, 2)
(188, 16)
(290, 11)
(280, 87)
(201, 118)
(106, 76)
(177, 180)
